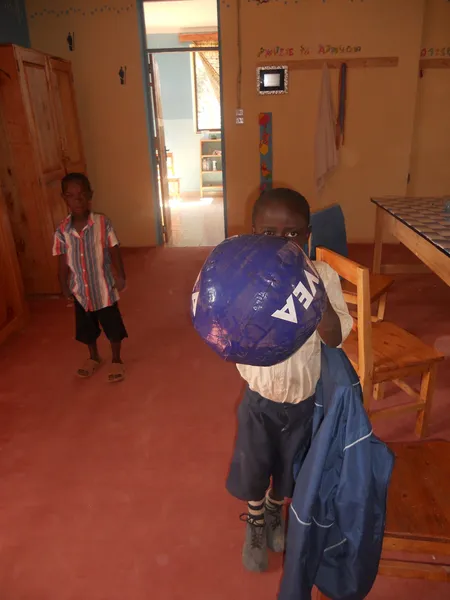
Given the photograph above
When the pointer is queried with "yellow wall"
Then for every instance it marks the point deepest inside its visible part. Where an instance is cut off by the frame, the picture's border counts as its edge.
(430, 160)
(396, 123)
(380, 102)
(113, 119)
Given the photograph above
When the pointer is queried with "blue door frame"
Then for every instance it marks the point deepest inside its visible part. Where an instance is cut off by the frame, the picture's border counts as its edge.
(150, 121)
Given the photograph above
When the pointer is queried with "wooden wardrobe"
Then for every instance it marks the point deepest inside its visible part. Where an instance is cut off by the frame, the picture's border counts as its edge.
(13, 308)
(41, 144)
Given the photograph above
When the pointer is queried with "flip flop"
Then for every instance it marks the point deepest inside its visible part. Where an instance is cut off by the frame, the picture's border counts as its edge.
(88, 368)
(116, 373)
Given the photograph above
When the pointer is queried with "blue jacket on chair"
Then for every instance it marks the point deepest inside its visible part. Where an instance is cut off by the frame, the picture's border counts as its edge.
(337, 515)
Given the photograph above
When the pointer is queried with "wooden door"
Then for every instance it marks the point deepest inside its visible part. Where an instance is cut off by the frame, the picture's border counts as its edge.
(67, 115)
(429, 173)
(160, 148)
(39, 106)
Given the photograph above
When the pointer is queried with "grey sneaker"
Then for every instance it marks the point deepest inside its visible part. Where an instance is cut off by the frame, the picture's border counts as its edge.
(275, 528)
(254, 552)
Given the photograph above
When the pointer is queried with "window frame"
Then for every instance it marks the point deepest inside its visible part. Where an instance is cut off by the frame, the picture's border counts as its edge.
(194, 72)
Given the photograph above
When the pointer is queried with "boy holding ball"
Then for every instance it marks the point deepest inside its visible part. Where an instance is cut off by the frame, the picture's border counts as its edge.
(275, 415)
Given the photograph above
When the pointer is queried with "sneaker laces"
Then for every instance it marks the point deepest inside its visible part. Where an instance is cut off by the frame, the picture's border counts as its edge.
(256, 528)
(275, 513)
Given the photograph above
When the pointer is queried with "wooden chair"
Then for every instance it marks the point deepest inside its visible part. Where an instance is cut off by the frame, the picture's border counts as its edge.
(328, 231)
(417, 534)
(382, 351)
(173, 180)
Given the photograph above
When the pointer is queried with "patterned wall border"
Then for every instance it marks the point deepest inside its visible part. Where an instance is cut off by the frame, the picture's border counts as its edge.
(65, 12)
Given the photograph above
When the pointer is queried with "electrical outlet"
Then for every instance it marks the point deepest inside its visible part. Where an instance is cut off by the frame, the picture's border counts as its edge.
(239, 116)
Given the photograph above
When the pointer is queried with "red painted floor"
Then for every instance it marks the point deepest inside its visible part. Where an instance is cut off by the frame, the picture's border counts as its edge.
(117, 492)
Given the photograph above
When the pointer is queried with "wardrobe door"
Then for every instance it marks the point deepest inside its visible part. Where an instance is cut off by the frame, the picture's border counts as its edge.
(19, 181)
(13, 309)
(67, 115)
(37, 96)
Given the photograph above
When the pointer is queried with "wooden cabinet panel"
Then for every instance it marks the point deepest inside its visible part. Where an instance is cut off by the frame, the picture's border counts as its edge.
(38, 105)
(67, 115)
(18, 181)
(40, 144)
(56, 205)
(13, 309)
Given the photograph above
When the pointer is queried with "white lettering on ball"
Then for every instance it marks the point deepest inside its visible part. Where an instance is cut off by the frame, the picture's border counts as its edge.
(194, 302)
(305, 297)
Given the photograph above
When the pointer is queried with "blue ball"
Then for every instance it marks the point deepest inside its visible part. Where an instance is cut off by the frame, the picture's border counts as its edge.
(257, 300)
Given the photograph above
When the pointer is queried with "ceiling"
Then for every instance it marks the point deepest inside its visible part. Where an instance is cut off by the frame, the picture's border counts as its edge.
(174, 16)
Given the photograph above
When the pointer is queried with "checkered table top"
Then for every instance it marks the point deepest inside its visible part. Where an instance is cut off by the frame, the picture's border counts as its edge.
(426, 216)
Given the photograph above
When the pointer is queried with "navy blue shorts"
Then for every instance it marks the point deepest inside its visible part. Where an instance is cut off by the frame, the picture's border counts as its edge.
(270, 436)
(87, 324)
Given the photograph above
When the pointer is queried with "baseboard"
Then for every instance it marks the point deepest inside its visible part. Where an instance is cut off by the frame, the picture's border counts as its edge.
(362, 252)
(192, 194)
(15, 325)
(137, 249)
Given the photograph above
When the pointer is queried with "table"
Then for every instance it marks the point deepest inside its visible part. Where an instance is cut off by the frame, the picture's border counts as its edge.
(420, 224)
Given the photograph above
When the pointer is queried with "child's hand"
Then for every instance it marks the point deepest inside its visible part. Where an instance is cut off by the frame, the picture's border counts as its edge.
(67, 294)
(330, 327)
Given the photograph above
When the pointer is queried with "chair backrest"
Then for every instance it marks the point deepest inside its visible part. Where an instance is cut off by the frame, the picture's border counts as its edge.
(170, 164)
(328, 231)
(358, 276)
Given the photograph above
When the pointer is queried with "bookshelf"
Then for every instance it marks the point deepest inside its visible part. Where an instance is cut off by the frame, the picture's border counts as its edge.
(211, 179)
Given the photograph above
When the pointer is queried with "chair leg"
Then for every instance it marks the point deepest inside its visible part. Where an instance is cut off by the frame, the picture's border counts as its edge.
(378, 391)
(427, 386)
(381, 307)
(367, 391)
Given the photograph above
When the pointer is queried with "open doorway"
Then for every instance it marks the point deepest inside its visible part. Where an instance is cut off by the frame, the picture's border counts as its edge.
(184, 79)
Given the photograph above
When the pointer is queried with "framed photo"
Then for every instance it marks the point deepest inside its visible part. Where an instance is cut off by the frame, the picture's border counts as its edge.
(272, 80)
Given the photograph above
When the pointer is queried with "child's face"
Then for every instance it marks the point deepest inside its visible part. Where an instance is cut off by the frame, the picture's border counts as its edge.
(277, 219)
(77, 198)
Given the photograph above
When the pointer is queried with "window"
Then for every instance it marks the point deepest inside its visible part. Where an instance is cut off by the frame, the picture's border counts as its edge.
(207, 90)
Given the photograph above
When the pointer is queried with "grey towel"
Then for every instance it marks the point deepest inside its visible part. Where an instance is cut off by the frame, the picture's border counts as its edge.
(326, 156)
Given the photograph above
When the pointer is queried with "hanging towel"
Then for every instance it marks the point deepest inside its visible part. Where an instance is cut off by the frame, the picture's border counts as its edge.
(340, 125)
(326, 158)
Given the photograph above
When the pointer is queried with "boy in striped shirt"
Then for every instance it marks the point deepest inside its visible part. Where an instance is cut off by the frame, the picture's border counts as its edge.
(88, 252)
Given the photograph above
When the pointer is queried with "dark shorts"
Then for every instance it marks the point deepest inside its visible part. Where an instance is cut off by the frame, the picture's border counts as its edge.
(270, 435)
(87, 324)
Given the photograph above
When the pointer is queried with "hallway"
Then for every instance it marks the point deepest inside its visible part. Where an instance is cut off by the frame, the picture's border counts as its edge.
(117, 492)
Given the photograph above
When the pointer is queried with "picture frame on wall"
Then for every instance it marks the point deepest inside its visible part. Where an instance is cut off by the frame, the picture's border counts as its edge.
(272, 80)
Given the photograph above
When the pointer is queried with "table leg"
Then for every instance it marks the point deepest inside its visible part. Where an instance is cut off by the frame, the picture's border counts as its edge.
(378, 244)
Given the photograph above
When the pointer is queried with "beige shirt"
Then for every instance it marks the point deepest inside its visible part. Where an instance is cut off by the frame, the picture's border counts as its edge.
(296, 378)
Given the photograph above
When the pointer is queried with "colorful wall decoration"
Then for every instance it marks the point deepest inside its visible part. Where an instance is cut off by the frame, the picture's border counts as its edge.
(327, 49)
(437, 52)
(280, 51)
(265, 151)
(276, 51)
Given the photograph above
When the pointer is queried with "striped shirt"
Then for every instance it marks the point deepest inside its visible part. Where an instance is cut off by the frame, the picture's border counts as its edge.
(89, 261)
